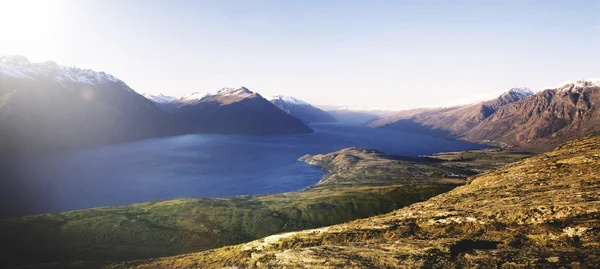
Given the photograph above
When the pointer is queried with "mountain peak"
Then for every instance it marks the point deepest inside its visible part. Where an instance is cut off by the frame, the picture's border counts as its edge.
(595, 82)
(287, 99)
(14, 59)
(235, 91)
(161, 98)
(520, 92)
(194, 96)
(19, 67)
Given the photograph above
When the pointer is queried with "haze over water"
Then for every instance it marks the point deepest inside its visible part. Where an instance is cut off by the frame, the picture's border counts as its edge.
(199, 165)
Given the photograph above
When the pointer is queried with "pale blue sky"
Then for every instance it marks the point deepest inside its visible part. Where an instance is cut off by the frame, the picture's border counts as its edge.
(399, 54)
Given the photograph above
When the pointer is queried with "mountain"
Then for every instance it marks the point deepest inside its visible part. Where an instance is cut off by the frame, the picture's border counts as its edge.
(301, 110)
(541, 212)
(162, 101)
(545, 119)
(452, 121)
(46, 106)
(236, 111)
(190, 98)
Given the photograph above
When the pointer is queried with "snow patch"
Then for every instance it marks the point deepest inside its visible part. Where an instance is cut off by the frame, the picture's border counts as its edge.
(195, 96)
(288, 99)
(240, 92)
(20, 67)
(567, 85)
(160, 99)
(521, 92)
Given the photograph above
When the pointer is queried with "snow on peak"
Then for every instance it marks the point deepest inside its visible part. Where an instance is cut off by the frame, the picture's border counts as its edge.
(160, 99)
(195, 96)
(19, 67)
(521, 92)
(288, 99)
(242, 92)
(568, 85)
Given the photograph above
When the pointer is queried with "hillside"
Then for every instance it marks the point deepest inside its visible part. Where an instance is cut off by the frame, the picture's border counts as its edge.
(543, 212)
(238, 111)
(452, 121)
(359, 183)
(301, 110)
(545, 119)
(46, 106)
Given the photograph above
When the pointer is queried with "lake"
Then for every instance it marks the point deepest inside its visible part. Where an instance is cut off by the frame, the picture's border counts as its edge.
(198, 165)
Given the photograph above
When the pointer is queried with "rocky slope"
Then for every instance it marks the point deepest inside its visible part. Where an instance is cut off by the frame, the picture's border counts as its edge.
(451, 121)
(301, 110)
(540, 212)
(46, 106)
(545, 119)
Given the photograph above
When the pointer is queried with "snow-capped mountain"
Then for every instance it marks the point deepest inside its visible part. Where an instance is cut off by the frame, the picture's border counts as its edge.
(46, 106)
(301, 109)
(159, 99)
(238, 110)
(520, 92)
(20, 67)
(190, 98)
(287, 99)
(546, 118)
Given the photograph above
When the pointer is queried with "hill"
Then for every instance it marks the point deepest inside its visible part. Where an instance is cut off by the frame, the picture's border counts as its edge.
(542, 212)
(359, 183)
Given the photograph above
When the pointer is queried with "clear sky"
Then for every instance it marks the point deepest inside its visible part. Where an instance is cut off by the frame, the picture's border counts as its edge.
(400, 54)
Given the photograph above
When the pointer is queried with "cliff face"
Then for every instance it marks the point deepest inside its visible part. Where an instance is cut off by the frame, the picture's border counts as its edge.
(540, 212)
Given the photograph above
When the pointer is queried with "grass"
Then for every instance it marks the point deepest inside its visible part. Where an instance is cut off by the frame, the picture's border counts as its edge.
(542, 212)
(172, 227)
(366, 184)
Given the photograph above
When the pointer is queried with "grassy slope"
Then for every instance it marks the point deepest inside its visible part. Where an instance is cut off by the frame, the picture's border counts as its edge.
(542, 212)
(172, 227)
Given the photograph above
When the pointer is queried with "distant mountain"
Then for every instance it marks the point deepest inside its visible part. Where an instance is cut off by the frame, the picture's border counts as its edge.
(301, 110)
(452, 121)
(189, 99)
(545, 119)
(46, 106)
(236, 111)
(162, 101)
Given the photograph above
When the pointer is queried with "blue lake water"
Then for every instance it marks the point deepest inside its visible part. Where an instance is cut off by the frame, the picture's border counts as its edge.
(200, 165)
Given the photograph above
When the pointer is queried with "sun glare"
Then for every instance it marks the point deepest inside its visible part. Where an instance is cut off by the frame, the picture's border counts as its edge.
(27, 20)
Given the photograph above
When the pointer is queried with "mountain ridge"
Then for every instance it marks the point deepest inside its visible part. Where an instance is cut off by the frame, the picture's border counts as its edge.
(46, 106)
(302, 110)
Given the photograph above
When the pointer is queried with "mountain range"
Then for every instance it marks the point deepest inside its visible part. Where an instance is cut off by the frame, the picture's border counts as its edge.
(46, 106)
(519, 117)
